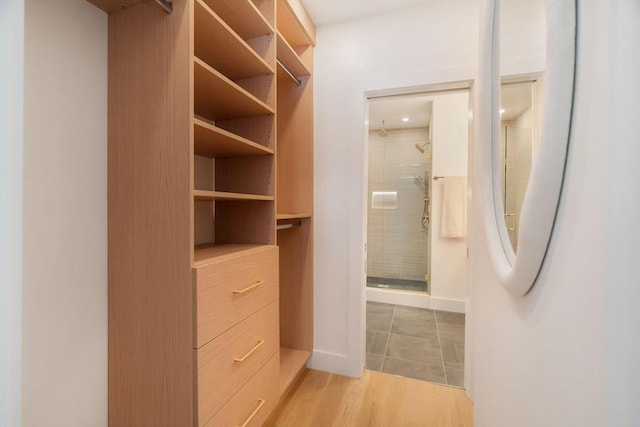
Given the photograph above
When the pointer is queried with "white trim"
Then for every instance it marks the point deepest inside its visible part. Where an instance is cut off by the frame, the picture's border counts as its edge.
(415, 299)
(334, 362)
(11, 143)
(448, 304)
(391, 296)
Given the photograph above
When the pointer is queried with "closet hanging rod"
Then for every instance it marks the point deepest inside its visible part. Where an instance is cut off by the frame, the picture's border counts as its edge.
(289, 225)
(166, 5)
(289, 73)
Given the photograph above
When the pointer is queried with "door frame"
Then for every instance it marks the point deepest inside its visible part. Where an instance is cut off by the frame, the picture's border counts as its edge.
(435, 88)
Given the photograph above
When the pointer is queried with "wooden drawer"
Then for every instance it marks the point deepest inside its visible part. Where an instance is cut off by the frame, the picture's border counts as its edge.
(254, 401)
(229, 290)
(225, 364)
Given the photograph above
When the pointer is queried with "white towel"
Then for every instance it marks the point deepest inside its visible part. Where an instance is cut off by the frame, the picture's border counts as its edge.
(454, 208)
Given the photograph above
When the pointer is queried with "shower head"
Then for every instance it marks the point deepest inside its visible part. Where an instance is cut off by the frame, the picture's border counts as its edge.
(420, 148)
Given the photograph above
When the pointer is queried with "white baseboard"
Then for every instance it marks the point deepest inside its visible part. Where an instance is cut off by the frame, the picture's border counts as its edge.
(390, 296)
(335, 363)
(448, 304)
(414, 299)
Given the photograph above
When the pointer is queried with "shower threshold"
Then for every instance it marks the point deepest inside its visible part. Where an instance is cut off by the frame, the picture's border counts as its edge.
(397, 284)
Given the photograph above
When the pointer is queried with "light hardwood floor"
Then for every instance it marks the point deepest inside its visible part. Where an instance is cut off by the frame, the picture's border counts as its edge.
(375, 400)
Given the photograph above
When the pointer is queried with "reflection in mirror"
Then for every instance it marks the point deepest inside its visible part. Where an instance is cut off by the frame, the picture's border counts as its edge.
(519, 130)
(532, 38)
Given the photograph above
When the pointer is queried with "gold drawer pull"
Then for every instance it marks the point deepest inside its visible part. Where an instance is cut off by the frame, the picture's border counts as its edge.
(243, 358)
(253, 414)
(255, 285)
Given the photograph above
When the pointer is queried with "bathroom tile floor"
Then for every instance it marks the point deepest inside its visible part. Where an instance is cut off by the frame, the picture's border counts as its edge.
(416, 343)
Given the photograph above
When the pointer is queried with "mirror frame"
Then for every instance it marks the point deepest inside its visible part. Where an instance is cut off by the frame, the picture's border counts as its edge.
(518, 272)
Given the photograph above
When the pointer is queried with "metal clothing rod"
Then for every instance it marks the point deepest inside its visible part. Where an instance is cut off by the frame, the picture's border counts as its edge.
(438, 177)
(289, 225)
(166, 5)
(286, 70)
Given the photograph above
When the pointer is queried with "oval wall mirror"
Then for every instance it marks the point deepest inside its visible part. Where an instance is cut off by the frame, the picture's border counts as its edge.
(523, 157)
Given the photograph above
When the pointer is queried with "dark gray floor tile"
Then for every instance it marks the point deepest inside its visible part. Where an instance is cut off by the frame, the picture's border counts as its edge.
(451, 333)
(377, 342)
(374, 362)
(409, 369)
(379, 308)
(450, 318)
(379, 322)
(451, 352)
(414, 313)
(455, 377)
(414, 327)
(415, 349)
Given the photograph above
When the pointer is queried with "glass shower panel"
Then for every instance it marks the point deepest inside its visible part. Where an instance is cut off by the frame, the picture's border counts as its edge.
(399, 209)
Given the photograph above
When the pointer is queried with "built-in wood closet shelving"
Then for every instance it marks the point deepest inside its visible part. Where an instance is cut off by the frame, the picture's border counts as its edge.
(210, 149)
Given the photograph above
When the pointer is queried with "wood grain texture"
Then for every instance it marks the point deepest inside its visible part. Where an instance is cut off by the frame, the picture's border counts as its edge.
(245, 222)
(296, 286)
(205, 254)
(115, 5)
(251, 174)
(150, 293)
(290, 58)
(292, 364)
(221, 195)
(294, 167)
(375, 400)
(263, 386)
(220, 47)
(217, 307)
(219, 98)
(243, 16)
(260, 129)
(219, 376)
(294, 23)
(212, 141)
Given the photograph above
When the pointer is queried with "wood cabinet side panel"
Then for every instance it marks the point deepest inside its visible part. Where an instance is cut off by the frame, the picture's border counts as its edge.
(296, 287)
(149, 156)
(295, 146)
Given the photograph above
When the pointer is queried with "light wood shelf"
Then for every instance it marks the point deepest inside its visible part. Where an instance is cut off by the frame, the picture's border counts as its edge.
(291, 26)
(288, 56)
(218, 98)
(218, 45)
(223, 195)
(288, 216)
(243, 16)
(212, 141)
(292, 362)
(204, 254)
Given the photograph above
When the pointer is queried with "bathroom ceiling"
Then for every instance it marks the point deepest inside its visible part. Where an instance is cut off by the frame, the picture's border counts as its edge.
(393, 109)
(325, 12)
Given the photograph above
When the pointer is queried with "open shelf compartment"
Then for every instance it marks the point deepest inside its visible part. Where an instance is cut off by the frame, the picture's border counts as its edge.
(244, 17)
(218, 45)
(289, 58)
(218, 98)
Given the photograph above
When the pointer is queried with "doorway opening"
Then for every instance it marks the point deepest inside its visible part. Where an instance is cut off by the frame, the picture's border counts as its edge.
(416, 250)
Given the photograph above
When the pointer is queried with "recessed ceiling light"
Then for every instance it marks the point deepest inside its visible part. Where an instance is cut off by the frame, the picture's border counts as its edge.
(405, 119)
(502, 111)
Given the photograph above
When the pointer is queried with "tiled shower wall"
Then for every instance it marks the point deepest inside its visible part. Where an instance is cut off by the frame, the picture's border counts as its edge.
(519, 136)
(396, 246)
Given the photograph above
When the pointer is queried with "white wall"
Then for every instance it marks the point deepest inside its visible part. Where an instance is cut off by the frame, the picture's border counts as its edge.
(429, 44)
(566, 354)
(623, 214)
(11, 146)
(449, 266)
(65, 215)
